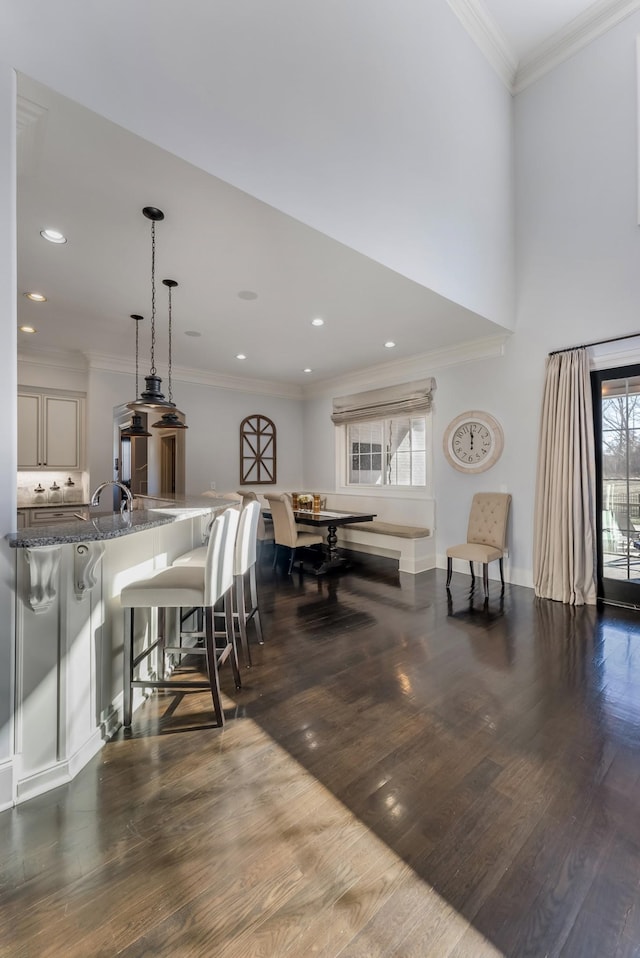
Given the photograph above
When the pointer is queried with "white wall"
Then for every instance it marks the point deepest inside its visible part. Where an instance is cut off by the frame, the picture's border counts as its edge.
(578, 279)
(380, 124)
(8, 383)
(212, 439)
(49, 372)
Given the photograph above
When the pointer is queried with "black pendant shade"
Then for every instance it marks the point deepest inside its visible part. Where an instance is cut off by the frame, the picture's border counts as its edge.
(135, 429)
(169, 420)
(152, 397)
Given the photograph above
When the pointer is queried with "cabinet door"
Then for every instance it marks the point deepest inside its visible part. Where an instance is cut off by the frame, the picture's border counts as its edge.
(61, 445)
(29, 430)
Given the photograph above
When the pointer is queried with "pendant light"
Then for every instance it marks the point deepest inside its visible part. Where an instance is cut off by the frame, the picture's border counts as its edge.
(152, 397)
(135, 428)
(169, 420)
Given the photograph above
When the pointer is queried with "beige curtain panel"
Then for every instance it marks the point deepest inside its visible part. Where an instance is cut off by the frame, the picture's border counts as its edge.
(399, 400)
(564, 561)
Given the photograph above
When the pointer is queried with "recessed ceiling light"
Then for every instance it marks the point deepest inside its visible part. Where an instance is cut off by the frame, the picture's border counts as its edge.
(307, 370)
(247, 294)
(28, 329)
(192, 332)
(389, 345)
(241, 356)
(54, 236)
(317, 321)
(36, 297)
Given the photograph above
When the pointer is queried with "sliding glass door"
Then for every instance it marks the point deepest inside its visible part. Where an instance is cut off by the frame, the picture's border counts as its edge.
(616, 401)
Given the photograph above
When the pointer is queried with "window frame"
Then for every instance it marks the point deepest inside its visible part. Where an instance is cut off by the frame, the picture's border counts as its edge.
(343, 455)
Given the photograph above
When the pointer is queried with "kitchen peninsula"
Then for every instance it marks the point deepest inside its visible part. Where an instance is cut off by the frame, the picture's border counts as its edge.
(70, 626)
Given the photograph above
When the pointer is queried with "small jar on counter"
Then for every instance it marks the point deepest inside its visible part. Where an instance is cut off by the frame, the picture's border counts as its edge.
(39, 495)
(55, 492)
(71, 492)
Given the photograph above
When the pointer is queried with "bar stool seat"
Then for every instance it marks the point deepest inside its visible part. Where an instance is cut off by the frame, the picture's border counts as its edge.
(201, 586)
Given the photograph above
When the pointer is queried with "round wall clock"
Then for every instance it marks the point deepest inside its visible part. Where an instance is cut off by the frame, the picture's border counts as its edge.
(473, 441)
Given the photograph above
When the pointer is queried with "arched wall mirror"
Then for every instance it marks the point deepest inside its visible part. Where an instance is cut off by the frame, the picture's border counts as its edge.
(257, 450)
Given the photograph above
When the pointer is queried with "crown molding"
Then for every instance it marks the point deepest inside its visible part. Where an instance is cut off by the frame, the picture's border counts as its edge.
(600, 17)
(49, 356)
(198, 377)
(27, 113)
(384, 373)
(406, 370)
(593, 23)
(488, 36)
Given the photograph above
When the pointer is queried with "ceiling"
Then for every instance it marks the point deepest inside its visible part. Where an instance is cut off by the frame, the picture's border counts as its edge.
(251, 278)
(528, 24)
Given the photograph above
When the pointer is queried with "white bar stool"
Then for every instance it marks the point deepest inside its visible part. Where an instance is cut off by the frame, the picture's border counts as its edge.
(244, 565)
(179, 586)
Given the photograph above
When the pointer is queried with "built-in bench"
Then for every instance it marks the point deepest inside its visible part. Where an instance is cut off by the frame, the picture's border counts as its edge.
(412, 545)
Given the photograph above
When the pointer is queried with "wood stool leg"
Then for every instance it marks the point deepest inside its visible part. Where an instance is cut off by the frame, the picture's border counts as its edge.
(449, 571)
(127, 708)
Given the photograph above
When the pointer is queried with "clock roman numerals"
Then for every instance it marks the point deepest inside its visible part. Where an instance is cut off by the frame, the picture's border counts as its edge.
(473, 442)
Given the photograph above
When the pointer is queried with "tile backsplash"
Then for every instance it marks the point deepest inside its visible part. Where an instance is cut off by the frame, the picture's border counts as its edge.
(52, 488)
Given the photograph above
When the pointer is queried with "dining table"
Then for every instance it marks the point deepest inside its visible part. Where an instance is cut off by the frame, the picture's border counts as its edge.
(331, 520)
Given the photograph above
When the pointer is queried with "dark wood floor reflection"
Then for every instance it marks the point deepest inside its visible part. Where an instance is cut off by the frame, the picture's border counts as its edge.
(400, 776)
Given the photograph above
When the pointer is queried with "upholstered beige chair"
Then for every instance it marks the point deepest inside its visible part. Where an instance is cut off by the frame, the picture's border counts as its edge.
(285, 530)
(486, 535)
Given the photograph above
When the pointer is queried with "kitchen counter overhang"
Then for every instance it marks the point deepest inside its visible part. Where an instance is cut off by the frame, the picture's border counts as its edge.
(111, 525)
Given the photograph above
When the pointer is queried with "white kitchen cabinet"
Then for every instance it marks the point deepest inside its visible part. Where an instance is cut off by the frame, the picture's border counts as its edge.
(50, 430)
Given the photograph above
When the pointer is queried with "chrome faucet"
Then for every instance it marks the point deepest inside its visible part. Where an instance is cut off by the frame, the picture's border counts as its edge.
(127, 502)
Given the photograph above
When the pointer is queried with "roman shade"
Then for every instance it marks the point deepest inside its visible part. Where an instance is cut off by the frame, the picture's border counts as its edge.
(402, 400)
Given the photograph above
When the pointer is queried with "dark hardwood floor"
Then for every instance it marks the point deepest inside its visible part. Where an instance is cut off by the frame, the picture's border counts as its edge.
(399, 776)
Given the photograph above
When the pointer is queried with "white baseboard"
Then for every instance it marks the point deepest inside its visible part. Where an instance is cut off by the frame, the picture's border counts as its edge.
(59, 774)
(7, 772)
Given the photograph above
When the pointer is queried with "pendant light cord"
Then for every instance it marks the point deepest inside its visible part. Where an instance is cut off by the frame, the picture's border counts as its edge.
(137, 352)
(153, 297)
(169, 377)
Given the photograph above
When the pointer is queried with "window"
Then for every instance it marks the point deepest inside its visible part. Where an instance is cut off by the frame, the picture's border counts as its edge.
(383, 437)
(387, 452)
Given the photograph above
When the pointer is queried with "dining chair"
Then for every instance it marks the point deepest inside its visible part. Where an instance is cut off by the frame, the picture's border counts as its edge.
(286, 533)
(486, 535)
(244, 574)
(198, 586)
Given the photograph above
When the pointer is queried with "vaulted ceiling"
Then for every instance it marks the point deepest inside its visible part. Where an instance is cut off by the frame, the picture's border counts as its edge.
(252, 277)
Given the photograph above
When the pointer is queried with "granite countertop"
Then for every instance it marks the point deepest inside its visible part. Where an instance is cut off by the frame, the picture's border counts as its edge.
(112, 525)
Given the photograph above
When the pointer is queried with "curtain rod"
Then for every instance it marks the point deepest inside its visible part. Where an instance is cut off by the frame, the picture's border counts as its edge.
(598, 342)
